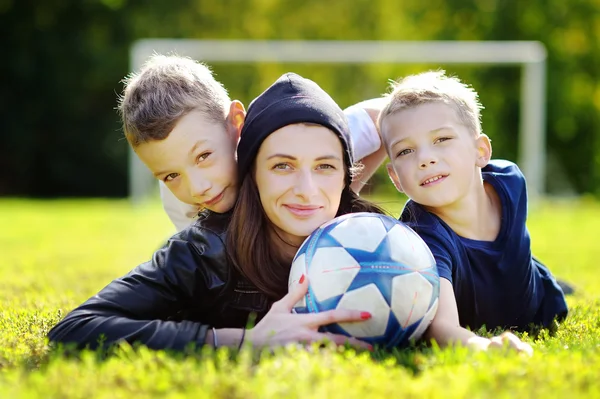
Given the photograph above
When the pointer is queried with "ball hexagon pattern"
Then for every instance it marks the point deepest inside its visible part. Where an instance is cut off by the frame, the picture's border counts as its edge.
(374, 263)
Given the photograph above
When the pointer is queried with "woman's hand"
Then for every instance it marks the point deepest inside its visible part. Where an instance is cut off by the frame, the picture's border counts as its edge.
(280, 326)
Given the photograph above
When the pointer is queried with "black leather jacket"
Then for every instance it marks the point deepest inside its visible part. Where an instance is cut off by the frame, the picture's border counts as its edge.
(172, 300)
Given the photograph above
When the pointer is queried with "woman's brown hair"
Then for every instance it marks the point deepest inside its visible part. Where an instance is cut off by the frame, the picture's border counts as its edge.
(250, 237)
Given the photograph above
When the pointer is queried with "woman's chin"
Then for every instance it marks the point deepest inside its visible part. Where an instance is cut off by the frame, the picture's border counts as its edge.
(297, 236)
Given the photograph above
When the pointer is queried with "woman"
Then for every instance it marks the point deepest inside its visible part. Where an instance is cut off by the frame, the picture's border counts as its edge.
(295, 167)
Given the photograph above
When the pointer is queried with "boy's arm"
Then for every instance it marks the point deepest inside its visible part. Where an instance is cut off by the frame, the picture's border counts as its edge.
(181, 214)
(445, 328)
(368, 148)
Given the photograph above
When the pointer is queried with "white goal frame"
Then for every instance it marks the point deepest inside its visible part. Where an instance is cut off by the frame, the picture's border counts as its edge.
(530, 55)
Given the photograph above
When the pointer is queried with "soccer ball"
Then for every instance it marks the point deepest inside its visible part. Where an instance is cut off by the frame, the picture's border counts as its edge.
(374, 263)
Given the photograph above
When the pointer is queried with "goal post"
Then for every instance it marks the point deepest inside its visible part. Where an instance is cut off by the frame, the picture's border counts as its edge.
(529, 55)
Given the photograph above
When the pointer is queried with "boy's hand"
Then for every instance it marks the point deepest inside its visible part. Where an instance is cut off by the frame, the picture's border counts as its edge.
(511, 341)
(502, 341)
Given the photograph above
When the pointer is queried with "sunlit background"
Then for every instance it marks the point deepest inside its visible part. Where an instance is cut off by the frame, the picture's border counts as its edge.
(67, 226)
(63, 62)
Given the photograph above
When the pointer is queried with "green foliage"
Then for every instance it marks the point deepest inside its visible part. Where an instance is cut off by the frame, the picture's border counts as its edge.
(58, 253)
(63, 61)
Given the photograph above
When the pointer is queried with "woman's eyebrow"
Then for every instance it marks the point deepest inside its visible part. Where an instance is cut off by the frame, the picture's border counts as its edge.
(282, 156)
(334, 157)
(290, 157)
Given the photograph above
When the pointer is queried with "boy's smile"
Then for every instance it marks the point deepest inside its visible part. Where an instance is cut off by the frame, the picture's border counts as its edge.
(215, 200)
(433, 180)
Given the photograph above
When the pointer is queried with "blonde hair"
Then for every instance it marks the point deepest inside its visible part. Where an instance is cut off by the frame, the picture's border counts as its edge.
(431, 87)
(165, 89)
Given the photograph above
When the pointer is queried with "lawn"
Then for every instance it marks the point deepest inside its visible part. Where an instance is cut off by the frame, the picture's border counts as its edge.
(55, 254)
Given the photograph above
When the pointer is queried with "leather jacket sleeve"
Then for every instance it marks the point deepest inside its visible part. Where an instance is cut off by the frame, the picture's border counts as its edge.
(190, 271)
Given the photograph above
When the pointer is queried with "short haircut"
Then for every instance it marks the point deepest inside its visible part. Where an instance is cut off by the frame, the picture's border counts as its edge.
(165, 89)
(433, 87)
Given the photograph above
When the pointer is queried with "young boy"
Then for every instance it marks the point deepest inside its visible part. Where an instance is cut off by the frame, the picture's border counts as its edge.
(469, 209)
(182, 124)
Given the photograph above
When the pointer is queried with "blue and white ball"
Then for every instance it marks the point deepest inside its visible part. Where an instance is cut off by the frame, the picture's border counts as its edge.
(374, 263)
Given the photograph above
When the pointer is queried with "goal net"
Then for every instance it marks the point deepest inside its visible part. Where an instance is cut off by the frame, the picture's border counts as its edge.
(529, 55)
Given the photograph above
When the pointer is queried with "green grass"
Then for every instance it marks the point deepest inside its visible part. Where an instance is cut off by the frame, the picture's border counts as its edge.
(55, 254)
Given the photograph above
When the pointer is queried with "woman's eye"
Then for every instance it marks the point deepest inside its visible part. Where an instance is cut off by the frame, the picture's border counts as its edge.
(170, 177)
(403, 152)
(281, 166)
(203, 156)
(325, 166)
(442, 139)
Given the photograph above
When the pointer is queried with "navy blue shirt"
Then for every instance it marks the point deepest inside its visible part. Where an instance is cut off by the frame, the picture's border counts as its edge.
(496, 283)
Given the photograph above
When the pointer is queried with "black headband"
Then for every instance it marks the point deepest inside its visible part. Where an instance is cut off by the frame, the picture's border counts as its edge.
(291, 99)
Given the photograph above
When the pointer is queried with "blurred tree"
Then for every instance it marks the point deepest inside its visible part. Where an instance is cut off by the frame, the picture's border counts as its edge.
(63, 62)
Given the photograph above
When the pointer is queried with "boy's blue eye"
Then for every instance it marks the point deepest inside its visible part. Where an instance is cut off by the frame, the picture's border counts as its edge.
(170, 177)
(403, 152)
(203, 156)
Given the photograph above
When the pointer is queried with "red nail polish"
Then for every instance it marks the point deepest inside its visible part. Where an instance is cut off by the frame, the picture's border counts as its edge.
(301, 279)
(365, 315)
(370, 348)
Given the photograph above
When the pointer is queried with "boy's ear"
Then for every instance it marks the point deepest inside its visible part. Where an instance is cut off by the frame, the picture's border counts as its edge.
(235, 118)
(484, 150)
(394, 177)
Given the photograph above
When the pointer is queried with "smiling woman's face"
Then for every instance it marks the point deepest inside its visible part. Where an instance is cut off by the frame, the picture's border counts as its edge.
(300, 177)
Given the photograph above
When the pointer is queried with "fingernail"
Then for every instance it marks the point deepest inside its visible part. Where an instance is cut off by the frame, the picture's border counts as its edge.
(365, 315)
(370, 348)
(301, 279)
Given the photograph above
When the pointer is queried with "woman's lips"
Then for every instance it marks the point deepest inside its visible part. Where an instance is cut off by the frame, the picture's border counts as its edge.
(303, 210)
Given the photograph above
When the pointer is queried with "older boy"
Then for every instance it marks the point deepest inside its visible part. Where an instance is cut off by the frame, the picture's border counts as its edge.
(182, 124)
(470, 210)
